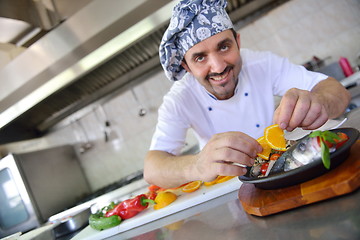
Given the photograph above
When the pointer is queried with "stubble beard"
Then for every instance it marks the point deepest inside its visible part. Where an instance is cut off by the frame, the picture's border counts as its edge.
(226, 94)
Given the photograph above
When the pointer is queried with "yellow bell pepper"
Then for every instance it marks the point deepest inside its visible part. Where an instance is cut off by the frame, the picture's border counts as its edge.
(163, 199)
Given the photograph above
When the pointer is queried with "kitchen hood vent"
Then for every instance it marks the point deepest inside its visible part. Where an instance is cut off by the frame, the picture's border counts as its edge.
(101, 49)
(41, 14)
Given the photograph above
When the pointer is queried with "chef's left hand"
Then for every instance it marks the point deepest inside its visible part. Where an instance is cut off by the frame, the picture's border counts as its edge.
(300, 108)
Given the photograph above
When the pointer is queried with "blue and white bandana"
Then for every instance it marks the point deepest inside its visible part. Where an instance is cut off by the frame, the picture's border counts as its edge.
(192, 21)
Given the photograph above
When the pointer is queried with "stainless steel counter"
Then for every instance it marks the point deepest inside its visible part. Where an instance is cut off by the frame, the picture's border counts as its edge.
(224, 218)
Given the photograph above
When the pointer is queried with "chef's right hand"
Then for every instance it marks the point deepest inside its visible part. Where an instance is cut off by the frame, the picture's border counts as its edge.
(222, 154)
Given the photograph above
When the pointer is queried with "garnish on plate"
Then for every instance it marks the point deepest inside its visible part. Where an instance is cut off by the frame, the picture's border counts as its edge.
(274, 136)
(281, 155)
(327, 141)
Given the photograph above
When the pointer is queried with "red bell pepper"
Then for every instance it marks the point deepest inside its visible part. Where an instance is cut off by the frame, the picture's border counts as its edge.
(131, 207)
(151, 195)
(153, 188)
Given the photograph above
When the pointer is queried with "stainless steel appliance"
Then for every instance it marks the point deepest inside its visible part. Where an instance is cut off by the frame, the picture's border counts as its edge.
(37, 185)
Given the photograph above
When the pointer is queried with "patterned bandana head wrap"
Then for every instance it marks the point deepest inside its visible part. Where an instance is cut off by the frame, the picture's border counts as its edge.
(192, 21)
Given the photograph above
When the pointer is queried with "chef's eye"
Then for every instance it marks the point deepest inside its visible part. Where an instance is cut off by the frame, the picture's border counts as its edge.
(224, 48)
(199, 58)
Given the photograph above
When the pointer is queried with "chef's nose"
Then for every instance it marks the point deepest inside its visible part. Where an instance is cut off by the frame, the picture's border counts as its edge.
(217, 64)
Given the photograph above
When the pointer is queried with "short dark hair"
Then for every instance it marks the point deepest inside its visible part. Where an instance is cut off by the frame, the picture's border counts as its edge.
(234, 32)
(235, 35)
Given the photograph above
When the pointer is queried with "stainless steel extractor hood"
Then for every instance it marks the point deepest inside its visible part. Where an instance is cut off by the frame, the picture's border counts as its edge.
(37, 13)
(100, 49)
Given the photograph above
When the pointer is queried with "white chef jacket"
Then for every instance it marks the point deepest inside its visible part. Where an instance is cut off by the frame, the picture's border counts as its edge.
(189, 105)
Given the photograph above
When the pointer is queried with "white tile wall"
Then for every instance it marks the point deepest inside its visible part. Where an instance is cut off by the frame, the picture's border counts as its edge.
(299, 29)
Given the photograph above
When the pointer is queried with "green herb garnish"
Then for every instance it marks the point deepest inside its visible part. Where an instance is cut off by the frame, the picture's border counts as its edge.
(325, 137)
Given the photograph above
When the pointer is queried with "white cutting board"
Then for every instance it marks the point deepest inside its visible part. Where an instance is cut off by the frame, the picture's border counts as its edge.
(203, 194)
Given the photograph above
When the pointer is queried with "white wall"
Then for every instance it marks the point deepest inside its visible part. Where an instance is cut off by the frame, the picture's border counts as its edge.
(107, 162)
(298, 29)
(301, 29)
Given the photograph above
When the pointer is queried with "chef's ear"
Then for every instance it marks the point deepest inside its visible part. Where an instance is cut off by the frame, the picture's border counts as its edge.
(185, 66)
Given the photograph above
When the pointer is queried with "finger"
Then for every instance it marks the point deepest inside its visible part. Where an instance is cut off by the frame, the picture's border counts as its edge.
(237, 136)
(300, 111)
(229, 155)
(312, 115)
(250, 149)
(225, 169)
(276, 115)
(240, 142)
(287, 105)
(321, 120)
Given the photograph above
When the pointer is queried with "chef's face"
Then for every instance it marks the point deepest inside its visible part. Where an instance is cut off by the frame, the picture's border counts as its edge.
(216, 63)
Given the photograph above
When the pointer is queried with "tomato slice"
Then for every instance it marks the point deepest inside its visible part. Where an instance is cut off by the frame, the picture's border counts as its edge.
(275, 156)
(342, 140)
(338, 142)
(329, 144)
(264, 168)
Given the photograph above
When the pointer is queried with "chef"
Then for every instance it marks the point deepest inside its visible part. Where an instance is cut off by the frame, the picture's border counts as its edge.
(226, 95)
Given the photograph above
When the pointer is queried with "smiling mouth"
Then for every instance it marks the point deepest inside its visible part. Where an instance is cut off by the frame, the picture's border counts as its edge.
(218, 77)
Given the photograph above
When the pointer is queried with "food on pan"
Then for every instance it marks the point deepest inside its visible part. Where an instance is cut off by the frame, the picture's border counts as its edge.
(317, 145)
(274, 136)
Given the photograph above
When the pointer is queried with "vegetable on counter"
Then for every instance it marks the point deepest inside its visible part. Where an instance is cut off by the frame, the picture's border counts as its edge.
(163, 199)
(113, 214)
(99, 222)
(153, 190)
(131, 207)
(192, 186)
(218, 179)
(175, 190)
(151, 195)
